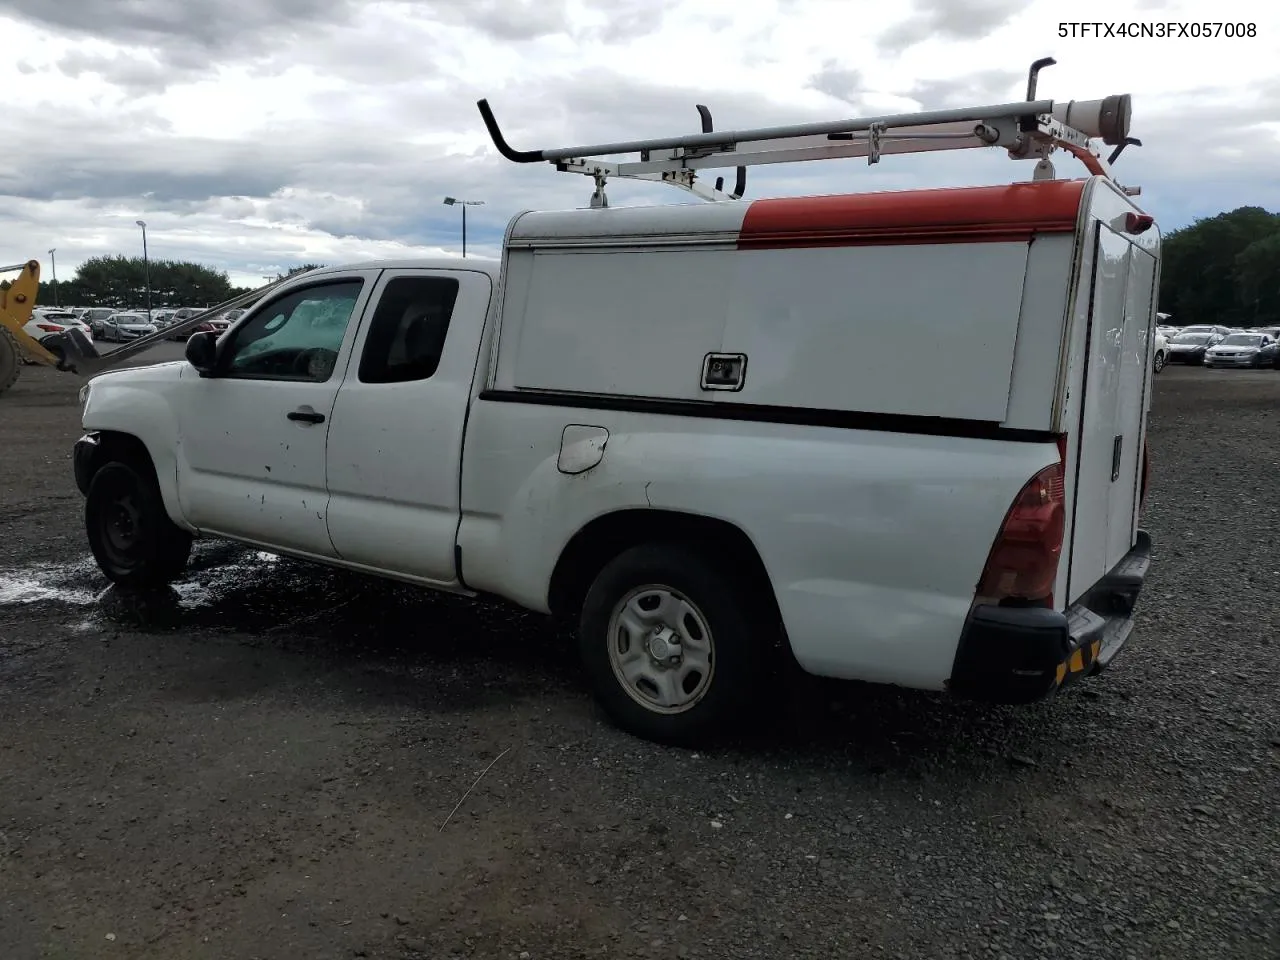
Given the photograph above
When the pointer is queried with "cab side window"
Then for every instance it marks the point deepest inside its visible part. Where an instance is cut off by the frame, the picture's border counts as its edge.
(296, 337)
(407, 335)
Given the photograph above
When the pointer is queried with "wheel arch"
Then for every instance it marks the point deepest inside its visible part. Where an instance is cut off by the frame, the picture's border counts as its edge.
(607, 536)
(113, 445)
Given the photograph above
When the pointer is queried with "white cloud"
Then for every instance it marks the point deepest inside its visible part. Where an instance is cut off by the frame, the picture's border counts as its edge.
(257, 134)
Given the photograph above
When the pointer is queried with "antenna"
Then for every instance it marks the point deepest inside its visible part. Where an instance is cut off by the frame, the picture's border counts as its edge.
(1028, 130)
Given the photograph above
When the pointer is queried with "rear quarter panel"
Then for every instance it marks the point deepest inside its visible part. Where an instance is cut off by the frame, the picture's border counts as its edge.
(874, 542)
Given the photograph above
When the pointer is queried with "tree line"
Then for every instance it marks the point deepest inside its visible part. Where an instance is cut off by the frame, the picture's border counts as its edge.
(121, 282)
(1224, 269)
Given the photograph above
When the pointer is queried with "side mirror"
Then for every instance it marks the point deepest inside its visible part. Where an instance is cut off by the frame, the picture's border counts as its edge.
(202, 352)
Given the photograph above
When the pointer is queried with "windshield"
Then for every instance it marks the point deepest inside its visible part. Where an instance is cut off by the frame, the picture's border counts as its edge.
(1242, 340)
(129, 318)
(1191, 338)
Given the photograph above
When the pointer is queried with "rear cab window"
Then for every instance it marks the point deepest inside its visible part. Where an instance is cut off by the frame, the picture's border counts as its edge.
(407, 335)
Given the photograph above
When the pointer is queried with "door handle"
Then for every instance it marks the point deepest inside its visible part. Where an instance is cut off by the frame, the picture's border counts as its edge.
(305, 415)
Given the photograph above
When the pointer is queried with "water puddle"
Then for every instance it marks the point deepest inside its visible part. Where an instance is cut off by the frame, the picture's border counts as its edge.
(48, 582)
(230, 588)
(214, 571)
(460, 649)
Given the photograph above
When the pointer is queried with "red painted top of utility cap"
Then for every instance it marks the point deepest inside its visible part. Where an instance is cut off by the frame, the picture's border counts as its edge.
(1011, 212)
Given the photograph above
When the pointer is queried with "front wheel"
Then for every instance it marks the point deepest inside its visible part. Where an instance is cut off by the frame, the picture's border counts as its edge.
(10, 359)
(675, 648)
(130, 534)
(1159, 362)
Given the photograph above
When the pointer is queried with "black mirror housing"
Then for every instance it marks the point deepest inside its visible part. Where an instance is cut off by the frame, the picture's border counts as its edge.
(202, 352)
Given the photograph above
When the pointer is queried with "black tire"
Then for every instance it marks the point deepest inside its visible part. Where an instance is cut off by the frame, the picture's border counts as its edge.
(733, 614)
(1159, 361)
(130, 534)
(10, 359)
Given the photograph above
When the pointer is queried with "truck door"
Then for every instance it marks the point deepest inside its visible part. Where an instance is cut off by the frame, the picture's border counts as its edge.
(395, 440)
(252, 437)
(1112, 425)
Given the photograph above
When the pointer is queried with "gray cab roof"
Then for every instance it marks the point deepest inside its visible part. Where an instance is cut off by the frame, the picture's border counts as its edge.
(475, 264)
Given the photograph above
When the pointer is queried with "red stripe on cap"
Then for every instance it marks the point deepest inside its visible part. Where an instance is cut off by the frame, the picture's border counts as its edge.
(1012, 212)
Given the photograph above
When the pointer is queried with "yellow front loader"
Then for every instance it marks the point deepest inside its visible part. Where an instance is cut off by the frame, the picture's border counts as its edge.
(17, 346)
(72, 351)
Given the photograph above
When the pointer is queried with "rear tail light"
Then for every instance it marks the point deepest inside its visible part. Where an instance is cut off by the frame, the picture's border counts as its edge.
(51, 328)
(1023, 565)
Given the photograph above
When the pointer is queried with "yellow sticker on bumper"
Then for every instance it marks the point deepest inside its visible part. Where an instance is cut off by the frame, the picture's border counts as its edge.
(1081, 660)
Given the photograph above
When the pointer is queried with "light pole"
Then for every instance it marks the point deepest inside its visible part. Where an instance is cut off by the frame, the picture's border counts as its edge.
(146, 265)
(53, 261)
(454, 201)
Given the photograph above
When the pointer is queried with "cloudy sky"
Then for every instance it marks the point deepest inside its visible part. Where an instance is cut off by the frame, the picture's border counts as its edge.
(253, 135)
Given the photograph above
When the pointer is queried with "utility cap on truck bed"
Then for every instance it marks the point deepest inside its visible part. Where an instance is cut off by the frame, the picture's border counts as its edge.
(1028, 130)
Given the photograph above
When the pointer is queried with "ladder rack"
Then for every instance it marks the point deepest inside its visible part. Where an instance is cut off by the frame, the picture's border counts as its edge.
(1029, 130)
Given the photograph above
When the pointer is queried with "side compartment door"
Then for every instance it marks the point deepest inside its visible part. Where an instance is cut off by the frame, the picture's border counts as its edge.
(1099, 429)
(1135, 375)
(252, 435)
(395, 443)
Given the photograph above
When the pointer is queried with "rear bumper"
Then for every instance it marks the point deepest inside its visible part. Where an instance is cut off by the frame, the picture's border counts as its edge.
(1024, 654)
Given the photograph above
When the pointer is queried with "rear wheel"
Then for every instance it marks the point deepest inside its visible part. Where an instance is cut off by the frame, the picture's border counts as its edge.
(1159, 361)
(130, 534)
(675, 648)
(10, 359)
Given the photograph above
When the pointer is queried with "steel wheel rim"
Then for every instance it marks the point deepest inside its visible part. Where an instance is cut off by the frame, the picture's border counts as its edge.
(661, 649)
(122, 526)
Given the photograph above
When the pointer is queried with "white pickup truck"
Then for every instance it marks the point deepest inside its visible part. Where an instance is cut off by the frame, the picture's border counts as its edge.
(705, 431)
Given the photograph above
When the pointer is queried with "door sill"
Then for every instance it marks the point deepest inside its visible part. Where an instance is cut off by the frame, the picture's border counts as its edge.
(443, 586)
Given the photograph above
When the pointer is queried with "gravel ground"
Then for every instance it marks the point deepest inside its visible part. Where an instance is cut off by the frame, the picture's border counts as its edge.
(260, 763)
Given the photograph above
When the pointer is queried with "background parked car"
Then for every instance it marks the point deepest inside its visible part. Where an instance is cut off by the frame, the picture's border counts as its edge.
(1243, 350)
(126, 326)
(94, 317)
(186, 313)
(1161, 351)
(52, 317)
(1190, 346)
(44, 326)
